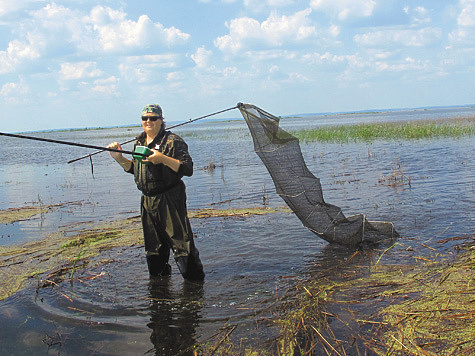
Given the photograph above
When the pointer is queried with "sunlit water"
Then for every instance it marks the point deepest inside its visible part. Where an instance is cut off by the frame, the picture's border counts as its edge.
(249, 261)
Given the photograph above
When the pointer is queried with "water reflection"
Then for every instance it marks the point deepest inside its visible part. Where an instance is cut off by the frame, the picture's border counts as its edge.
(174, 316)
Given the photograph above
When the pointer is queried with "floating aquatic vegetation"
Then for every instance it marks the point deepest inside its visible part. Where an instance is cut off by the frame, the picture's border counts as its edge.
(422, 309)
(56, 258)
(10, 216)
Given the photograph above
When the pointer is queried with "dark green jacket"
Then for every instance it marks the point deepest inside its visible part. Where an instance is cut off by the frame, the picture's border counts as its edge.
(154, 179)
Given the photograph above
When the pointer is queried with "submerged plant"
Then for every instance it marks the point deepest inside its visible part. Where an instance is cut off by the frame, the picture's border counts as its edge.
(396, 177)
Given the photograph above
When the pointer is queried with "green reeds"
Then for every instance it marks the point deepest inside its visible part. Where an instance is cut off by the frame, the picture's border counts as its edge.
(412, 130)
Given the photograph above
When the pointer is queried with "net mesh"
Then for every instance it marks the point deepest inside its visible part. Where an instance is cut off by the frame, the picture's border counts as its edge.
(301, 190)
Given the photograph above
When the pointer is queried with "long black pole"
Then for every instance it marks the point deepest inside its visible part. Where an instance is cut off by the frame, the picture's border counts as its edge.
(99, 151)
(170, 127)
(71, 143)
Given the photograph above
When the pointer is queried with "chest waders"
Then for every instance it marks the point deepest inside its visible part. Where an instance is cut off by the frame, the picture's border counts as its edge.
(166, 227)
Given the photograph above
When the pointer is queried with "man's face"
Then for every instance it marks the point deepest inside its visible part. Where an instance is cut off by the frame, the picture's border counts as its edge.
(151, 123)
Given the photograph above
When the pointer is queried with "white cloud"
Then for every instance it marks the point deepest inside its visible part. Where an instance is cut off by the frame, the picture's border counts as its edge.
(80, 70)
(419, 14)
(6, 63)
(201, 57)
(261, 5)
(56, 27)
(148, 68)
(467, 14)
(116, 33)
(106, 86)
(465, 32)
(345, 9)
(275, 31)
(409, 38)
(17, 52)
(7, 6)
(273, 54)
(20, 50)
(14, 93)
(325, 58)
(361, 68)
(408, 64)
(55, 30)
(175, 76)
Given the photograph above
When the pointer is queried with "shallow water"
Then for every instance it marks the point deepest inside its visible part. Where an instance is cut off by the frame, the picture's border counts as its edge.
(249, 261)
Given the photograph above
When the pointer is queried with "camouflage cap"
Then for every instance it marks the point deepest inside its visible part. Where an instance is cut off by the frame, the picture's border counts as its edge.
(152, 108)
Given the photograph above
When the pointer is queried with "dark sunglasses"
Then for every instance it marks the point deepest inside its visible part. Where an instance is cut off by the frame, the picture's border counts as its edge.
(151, 118)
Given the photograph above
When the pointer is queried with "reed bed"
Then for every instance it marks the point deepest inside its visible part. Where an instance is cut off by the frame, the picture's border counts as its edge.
(411, 130)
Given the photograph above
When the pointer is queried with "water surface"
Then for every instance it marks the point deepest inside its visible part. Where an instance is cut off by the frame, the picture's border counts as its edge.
(249, 261)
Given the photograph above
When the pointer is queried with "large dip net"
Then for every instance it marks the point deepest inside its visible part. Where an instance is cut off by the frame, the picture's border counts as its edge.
(301, 190)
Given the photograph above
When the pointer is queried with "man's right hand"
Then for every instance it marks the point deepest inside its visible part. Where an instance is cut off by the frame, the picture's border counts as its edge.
(115, 155)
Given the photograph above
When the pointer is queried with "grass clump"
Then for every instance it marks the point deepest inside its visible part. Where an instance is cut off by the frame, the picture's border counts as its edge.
(440, 320)
(422, 309)
(412, 130)
(90, 239)
(12, 215)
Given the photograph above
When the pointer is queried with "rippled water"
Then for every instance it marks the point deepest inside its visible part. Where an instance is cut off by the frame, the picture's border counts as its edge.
(249, 261)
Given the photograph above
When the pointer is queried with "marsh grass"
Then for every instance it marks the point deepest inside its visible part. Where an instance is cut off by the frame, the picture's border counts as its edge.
(12, 215)
(58, 257)
(396, 177)
(412, 130)
(422, 309)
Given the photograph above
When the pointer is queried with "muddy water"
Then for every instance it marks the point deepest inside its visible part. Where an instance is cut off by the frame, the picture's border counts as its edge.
(250, 261)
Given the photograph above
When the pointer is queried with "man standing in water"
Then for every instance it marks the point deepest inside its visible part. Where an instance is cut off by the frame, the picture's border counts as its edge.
(163, 204)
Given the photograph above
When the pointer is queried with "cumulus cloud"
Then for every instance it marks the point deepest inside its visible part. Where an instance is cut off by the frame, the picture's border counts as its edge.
(409, 38)
(201, 57)
(107, 86)
(419, 14)
(116, 33)
(16, 52)
(345, 9)
(80, 70)
(465, 31)
(55, 28)
(467, 14)
(14, 93)
(275, 31)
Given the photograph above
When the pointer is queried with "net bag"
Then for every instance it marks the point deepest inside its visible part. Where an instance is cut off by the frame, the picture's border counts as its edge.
(301, 190)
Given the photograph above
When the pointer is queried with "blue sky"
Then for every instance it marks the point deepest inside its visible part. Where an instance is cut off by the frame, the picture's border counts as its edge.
(82, 63)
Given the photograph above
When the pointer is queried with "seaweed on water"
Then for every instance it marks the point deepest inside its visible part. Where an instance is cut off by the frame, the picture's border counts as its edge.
(422, 309)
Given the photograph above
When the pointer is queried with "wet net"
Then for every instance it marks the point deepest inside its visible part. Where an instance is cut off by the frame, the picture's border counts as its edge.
(301, 190)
